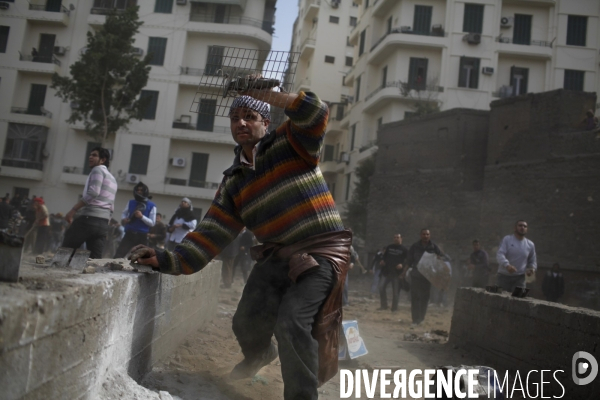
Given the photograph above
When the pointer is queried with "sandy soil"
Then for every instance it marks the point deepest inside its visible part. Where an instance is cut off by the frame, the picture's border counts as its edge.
(199, 368)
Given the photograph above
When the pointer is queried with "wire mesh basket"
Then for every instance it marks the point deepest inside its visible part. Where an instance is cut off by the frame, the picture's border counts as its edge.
(231, 70)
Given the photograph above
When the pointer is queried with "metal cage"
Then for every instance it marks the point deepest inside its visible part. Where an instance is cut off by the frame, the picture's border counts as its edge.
(231, 70)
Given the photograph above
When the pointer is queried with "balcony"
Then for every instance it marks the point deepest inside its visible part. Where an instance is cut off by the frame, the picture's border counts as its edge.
(381, 7)
(399, 91)
(199, 77)
(23, 110)
(102, 8)
(184, 129)
(34, 62)
(401, 37)
(266, 26)
(187, 188)
(308, 47)
(311, 10)
(303, 85)
(26, 116)
(49, 13)
(529, 49)
(73, 175)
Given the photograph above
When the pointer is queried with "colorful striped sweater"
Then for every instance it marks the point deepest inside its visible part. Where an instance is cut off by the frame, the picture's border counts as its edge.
(285, 198)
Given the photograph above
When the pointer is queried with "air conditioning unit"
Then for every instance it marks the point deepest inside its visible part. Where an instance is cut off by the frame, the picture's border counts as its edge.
(137, 51)
(405, 29)
(506, 22)
(335, 3)
(503, 39)
(345, 157)
(4, 5)
(472, 38)
(487, 70)
(181, 2)
(60, 50)
(178, 162)
(132, 178)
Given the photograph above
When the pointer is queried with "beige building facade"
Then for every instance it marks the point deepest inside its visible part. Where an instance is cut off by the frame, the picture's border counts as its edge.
(176, 152)
(456, 54)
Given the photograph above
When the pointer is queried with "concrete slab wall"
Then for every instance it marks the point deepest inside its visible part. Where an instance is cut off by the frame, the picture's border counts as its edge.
(61, 332)
(525, 335)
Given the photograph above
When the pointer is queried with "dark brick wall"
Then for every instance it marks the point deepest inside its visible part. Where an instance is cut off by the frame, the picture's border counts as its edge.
(471, 174)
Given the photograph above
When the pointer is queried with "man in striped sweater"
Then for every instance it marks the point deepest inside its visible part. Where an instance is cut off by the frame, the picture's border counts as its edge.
(95, 208)
(275, 188)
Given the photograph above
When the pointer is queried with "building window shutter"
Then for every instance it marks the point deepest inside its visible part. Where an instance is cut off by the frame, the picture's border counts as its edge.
(522, 29)
(163, 6)
(4, 38)
(473, 18)
(574, 80)
(361, 46)
(576, 30)
(422, 20)
(518, 80)
(199, 169)
(138, 164)
(417, 73)
(157, 47)
(206, 115)
(328, 153)
(151, 96)
(214, 62)
(357, 96)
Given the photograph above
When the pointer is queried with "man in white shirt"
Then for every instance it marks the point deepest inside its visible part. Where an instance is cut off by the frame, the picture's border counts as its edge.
(516, 258)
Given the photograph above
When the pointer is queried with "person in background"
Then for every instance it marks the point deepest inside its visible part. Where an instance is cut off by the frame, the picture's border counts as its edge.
(243, 258)
(590, 121)
(58, 225)
(479, 265)
(553, 285)
(6, 213)
(158, 233)
(138, 217)
(516, 258)
(392, 263)
(42, 222)
(181, 223)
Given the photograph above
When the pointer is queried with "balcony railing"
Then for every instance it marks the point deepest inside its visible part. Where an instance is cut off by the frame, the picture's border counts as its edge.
(367, 146)
(7, 162)
(192, 183)
(73, 170)
(266, 26)
(105, 7)
(48, 59)
(405, 88)
(44, 7)
(433, 32)
(25, 110)
(308, 42)
(178, 124)
(191, 71)
(542, 43)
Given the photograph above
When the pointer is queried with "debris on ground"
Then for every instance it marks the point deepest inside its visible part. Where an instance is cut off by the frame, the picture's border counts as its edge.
(258, 378)
(113, 266)
(436, 336)
(89, 270)
(40, 260)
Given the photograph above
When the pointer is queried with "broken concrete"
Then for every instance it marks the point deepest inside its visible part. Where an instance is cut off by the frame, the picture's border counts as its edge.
(526, 335)
(62, 333)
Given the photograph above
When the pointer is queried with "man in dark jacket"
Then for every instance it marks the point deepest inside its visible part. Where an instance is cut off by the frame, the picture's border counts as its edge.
(479, 265)
(158, 233)
(392, 263)
(6, 213)
(553, 285)
(420, 287)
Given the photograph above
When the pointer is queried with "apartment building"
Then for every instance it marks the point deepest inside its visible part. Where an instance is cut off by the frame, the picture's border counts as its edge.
(457, 53)
(321, 37)
(175, 151)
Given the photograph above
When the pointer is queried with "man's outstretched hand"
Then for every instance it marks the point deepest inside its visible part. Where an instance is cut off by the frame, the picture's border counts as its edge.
(144, 255)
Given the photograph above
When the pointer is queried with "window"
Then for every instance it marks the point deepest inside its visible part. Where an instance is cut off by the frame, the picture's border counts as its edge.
(206, 115)
(329, 59)
(37, 97)
(366, 4)
(576, 30)
(140, 154)
(46, 48)
(522, 29)
(4, 38)
(361, 46)
(422, 20)
(357, 93)
(417, 73)
(88, 150)
(198, 171)
(473, 18)
(384, 76)
(349, 61)
(348, 181)
(157, 47)
(468, 74)
(214, 62)
(150, 98)
(389, 25)
(409, 114)
(353, 21)
(328, 153)
(574, 80)
(53, 5)
(24, 146)
(379, 123)
(518, 80)
(339, 112)
(352, 136)
(334, 20)
(163, 6)
(348, 41)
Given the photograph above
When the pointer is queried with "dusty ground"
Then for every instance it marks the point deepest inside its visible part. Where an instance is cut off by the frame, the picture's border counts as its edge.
(199, 368)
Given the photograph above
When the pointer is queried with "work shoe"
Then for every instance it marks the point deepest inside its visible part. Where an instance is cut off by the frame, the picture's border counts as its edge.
(247, 368)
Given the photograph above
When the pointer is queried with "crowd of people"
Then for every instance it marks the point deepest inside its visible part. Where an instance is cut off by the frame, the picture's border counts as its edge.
(398, 266)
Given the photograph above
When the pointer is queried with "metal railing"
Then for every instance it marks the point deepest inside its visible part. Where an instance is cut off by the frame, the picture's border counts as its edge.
(266, 26)
(50, 59)
(25, 110)
(191, 127)
(7, 162)
(541, 43)
(191, 71)
(308, 41)
(42, 7)
(405, 88)
(73, 170)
